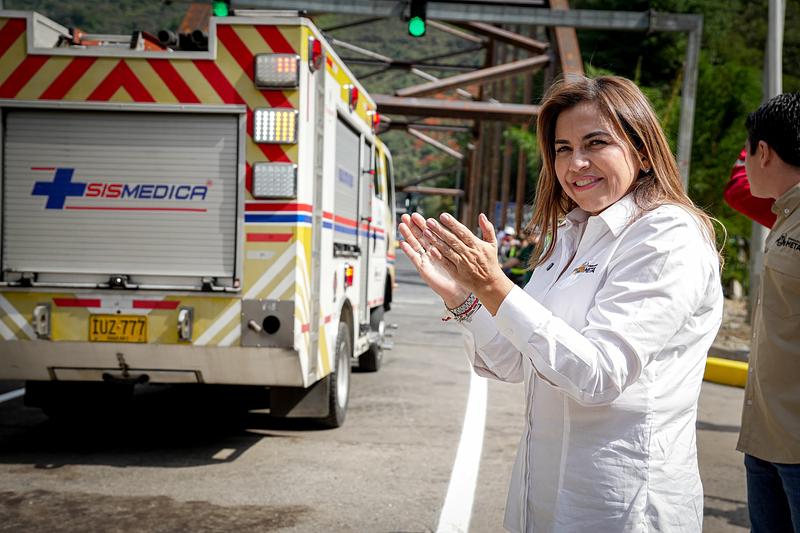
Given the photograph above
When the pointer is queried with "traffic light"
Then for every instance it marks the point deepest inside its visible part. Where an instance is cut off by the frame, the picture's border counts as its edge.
(416, 18)
(220, 8)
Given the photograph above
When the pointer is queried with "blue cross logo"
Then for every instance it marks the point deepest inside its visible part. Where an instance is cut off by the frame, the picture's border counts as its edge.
(59, 189)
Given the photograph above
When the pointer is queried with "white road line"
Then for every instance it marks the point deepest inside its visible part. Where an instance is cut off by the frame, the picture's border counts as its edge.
(11, 395)
(457, 509)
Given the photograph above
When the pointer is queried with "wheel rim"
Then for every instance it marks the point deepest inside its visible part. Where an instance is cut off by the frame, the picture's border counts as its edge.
(342, 368)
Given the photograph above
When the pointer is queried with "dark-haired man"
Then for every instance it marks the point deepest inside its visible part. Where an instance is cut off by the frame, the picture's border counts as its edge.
(770, 434)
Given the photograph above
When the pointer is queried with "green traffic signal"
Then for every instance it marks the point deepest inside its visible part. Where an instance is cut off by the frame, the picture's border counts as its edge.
(220, 8)
(416, 27)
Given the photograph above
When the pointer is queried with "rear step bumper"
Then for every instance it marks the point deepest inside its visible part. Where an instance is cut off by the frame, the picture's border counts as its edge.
(160, 363)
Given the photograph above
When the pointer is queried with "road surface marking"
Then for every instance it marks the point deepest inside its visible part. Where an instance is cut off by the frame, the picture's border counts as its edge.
(11, 395)
(457, 509)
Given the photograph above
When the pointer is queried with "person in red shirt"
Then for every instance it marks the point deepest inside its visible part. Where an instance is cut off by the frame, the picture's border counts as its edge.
(737, 194)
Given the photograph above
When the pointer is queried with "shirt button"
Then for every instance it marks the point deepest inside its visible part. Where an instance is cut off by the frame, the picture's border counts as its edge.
(750, 369)
(749, 402)
(785, 211)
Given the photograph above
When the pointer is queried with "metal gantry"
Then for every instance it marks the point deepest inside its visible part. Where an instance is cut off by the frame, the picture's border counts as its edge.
(510, 34)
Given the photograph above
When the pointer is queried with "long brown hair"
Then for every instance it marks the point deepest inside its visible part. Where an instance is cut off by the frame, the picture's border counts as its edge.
(629, 111)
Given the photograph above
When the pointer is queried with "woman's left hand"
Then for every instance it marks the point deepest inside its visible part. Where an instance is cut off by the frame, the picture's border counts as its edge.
(471, 261)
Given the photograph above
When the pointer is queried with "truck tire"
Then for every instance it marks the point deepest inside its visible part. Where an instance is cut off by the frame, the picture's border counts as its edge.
(387, 293)
(370, 361)
(339, 391)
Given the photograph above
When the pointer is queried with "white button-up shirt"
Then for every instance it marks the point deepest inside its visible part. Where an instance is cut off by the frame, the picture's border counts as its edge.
(612, 353)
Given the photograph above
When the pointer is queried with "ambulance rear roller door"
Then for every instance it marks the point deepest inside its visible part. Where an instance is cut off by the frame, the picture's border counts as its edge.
(89, 195)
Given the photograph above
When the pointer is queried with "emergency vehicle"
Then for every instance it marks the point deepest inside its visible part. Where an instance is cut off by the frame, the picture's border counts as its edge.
(220, 216)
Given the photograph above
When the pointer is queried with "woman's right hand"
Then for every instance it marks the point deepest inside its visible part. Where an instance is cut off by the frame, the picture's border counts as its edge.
(428, 267)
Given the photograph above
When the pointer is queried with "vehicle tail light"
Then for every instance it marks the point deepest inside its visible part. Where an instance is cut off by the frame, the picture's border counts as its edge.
(275, 126)
(348, 275)
(353, 101)
(277, 71)
(315, 55)
(274, 180)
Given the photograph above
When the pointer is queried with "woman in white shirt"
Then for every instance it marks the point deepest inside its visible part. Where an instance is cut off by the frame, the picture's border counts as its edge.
(611, 333)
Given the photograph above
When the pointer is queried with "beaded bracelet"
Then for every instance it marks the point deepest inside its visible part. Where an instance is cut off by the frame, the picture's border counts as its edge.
(461, 309)
(465, 310)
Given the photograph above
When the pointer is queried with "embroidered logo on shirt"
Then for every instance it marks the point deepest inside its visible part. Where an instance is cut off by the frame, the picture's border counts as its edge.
(585, 268)
(783, 240)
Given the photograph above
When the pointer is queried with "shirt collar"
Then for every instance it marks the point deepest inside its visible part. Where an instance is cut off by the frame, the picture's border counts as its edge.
(616, 216)
(787, 202)
(575, 217)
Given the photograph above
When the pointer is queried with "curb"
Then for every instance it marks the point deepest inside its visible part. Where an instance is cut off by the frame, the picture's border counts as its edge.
(726, 372)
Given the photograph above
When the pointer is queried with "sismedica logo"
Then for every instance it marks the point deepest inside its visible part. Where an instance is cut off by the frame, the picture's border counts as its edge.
(63, 187)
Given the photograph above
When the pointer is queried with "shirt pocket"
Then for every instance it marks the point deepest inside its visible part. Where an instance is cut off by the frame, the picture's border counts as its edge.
(781, 295)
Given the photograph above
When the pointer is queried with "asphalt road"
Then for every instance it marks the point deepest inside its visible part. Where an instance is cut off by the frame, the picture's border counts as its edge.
(181, 459)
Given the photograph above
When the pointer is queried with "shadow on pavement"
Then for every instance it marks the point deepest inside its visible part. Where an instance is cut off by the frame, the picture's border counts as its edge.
(733, 512)
(42, 510)
(723, 428)
(161, 426)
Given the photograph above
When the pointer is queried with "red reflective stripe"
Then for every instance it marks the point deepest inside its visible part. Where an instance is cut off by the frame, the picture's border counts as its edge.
(218, 81)
(275, 39)
(180, 89)
(244, 57)
(68, 78)
(76, 302)
(237, 48)
(22, 75)
(155, 304)
(277, 207)
(111, 208)
(248, 177)
(121, 76)
(228, 93)
(269, 237)
(327, 215)
(10, 32)
(345, 221)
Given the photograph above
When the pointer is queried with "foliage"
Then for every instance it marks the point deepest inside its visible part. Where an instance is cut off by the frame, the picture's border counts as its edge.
(98, 16)
(729, 82)
(729, 86)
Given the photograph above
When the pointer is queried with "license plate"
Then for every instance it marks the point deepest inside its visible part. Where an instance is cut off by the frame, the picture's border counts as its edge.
(117, 328)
